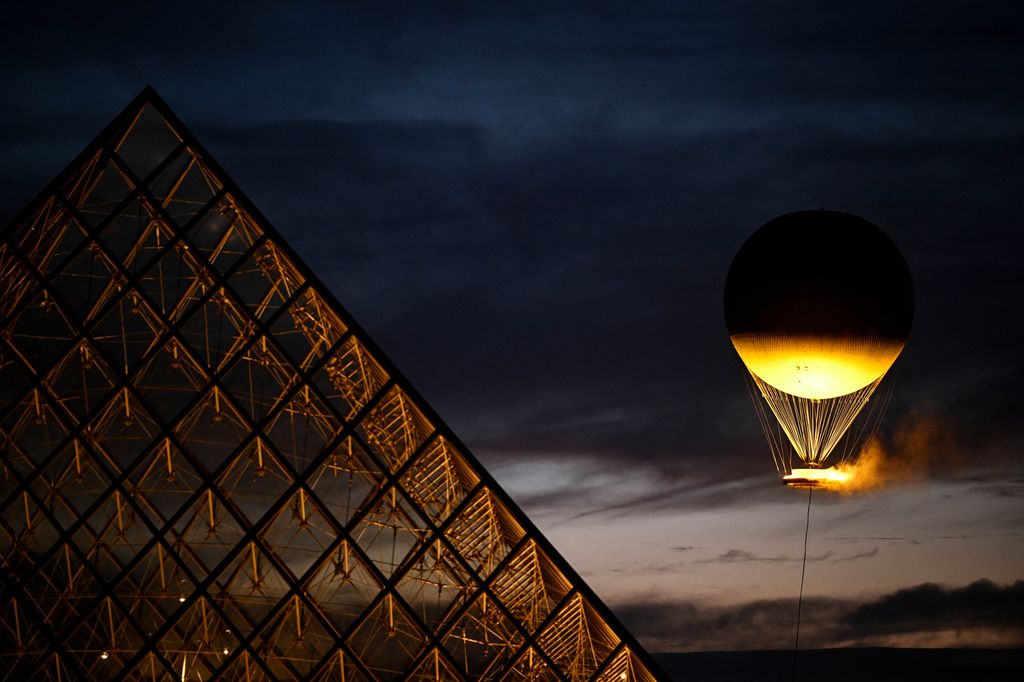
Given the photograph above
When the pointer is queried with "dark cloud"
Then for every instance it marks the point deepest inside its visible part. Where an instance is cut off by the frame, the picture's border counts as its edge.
(935, 607)
(980, 613)
(734, 555)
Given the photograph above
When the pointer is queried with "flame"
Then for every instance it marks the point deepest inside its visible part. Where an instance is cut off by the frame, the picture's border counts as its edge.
(920, 445)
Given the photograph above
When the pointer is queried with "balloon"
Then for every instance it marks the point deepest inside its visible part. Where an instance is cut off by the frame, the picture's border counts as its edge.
(818, 305)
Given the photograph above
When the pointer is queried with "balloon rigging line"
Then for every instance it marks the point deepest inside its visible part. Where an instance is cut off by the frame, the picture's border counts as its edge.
(813, 427)
(803, 572)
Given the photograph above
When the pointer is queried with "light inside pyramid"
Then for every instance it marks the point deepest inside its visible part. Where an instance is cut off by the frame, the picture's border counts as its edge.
(210, 472)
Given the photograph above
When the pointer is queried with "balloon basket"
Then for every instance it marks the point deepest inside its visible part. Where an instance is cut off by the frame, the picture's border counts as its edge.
(816, 478)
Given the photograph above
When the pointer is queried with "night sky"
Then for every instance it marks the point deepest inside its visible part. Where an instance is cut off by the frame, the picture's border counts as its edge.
(533, 211)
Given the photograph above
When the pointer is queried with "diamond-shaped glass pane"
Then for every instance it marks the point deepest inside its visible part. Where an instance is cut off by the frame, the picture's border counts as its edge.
(175, 281)
(123, 430)
(184, 187)
(345, 480)
(98, 190)
(41, 332)
(343, 585)
(224, 233)
(218, 329)
(391, 530)
(147, 142)
(530, 586)
(294, 641)
(265, 280)
(81, 381)
(435, 583)
(126, 331)
(484, 532)
(388, 639)
(439, 480)
(308, 329)
(577, 639)
(395, 428)
(163, 481)
(350, 378)
(86, 282)
(483, 641)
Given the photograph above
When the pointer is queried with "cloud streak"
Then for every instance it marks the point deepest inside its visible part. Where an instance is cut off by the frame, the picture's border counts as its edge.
(979, 614)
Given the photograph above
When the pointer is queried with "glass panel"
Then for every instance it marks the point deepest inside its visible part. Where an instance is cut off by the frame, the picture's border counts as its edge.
(136, 235)
(34, 431)
(343, 586)
(309, 329)
(531, 666)
(217, 330)
(530, 586)
(26, 535)
(626, 667)
(250, 586)
(224, 233)
(17, 281)
(49, 237)
(122, 431)
(294, 641)
(81, 381)
(195, 646)
(578, 640)
(147, 142)
(61, 589)
(260, 379)
(395, 428)
(106, 629)
(439, 480)
(388, 640)
(206, 534)
(301, 429)
(484, 532)
(170, 379)
(435, 666)
(265, 281)
(350, 378)
(41, 332)
(162, 482)
(175, 281)
(483, 640)
(255, 480)
(212, 430)
(72, 482)
(390, 531)
(13, 377)
(184, 187)
(127, 331)
(98, 190)
(345, 480)
(435, 584)
(89, 280)
(299, 533)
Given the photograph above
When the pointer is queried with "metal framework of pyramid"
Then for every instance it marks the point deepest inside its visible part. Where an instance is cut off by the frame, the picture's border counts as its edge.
(209, 471)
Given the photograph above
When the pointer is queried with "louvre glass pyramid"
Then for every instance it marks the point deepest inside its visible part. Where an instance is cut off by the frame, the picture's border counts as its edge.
(208, 470)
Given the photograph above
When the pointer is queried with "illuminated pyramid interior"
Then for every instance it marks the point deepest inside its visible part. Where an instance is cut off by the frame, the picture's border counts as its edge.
(208, 470)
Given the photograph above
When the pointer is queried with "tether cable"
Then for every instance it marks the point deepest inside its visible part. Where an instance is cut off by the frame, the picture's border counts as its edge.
(803, 572)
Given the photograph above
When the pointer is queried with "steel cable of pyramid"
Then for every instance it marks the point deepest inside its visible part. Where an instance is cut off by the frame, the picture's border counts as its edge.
(213, 392)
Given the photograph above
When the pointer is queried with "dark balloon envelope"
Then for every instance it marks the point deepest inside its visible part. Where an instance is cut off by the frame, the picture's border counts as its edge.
(818, 273)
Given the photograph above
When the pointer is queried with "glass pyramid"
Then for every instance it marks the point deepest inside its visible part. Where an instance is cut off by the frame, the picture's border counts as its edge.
(209, 471)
